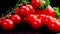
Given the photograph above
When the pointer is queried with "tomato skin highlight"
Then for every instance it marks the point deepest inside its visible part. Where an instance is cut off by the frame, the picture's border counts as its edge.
(36, 24)
(7, 24)
(30, 18)
(43, 18)
(50, 11)
(24, 11)
(15, 18)
(32, 11)
(35, 3)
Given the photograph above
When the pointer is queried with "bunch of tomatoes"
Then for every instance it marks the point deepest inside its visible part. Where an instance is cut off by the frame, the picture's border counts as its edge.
(33, 15)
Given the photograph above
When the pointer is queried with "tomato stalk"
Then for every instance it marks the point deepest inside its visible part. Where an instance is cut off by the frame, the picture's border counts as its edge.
(26, 1)
(11, 10)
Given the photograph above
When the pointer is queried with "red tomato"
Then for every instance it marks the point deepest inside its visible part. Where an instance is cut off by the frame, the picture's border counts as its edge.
(34, 21)
(47, 19)
(7, 24)
(32, 11)
(35, 3)
(15, 18)
(47, 11)
(43, 18)
(24, 11)
(30, 18)
(59, 23)
(16, 10)
(36, 24)
(53, 25)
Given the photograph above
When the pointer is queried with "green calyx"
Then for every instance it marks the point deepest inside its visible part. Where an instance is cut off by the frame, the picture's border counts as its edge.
(44, 5)
(25, 1)
(56, 9)
(12, 10)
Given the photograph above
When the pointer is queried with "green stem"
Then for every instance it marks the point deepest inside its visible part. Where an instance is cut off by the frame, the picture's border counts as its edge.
(11, 10)
(17, 4)
(25, 1)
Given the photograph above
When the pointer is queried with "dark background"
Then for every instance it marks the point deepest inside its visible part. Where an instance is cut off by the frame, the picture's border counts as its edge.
(5, 5)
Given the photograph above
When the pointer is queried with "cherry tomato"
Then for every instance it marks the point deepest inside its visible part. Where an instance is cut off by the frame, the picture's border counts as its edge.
(47, 19)
(24, 11)
(43, 18)
(59, 22)
(36, 24)
(34, 21)
(35, 3)
(47, 11)
(53, 25)
(30, 18)
(7, 24)
(32, 11)
(16, 11)
(15, 18)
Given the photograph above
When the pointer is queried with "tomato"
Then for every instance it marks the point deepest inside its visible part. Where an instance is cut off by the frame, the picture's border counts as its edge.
(15, 18)
(24, 11)
(43, 18)
(32, 11)
(7, 24)
(16, 11)
(59, 22)
(34, 21)
(30, 18)
(36, 24)
(47, 19)
(35, 3)
(47, 11)
(53, 25)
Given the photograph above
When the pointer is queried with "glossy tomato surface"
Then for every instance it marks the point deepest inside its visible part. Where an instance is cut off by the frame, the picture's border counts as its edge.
(35, 3)
(7, 24)
(15, 18)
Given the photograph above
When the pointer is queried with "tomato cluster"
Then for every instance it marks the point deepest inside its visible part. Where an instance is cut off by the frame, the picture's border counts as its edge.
(33, 15)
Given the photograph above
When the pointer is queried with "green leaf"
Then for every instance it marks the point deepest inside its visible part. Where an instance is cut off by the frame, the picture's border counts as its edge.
(56, 9)
(43, 6)
(47, 2)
